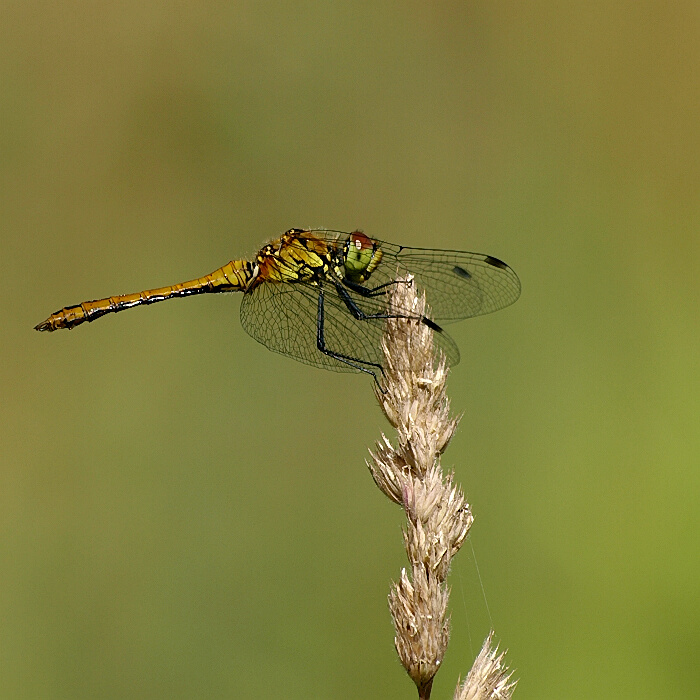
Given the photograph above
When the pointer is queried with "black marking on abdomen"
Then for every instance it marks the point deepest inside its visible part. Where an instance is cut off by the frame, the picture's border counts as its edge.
(495, 262)
(461, 272)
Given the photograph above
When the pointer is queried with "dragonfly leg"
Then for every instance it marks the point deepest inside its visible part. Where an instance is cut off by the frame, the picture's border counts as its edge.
(373, 291)
(347, 359)
(360, 315)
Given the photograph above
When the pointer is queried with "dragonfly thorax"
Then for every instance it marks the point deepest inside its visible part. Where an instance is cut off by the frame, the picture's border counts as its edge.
(294, 258)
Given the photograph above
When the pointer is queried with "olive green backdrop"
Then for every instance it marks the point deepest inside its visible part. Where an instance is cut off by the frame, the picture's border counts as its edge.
(184, 514)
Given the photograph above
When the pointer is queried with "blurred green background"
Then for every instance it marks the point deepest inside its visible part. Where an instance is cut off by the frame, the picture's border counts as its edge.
(184, 514)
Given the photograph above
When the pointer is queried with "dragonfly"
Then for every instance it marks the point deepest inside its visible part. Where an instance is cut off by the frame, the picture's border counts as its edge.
(322, 297)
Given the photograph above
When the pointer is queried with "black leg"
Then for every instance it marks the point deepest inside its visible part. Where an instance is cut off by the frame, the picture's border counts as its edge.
(321, 344)
(372, 291)
(360, 315)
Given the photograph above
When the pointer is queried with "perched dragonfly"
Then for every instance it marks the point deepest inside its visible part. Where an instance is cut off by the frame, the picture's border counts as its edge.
(321, 296)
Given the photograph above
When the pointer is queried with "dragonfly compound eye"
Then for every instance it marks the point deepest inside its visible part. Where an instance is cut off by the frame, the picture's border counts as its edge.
(362, 255)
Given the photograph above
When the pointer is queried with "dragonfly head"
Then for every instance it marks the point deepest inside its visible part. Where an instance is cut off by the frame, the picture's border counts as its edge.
(362, 255)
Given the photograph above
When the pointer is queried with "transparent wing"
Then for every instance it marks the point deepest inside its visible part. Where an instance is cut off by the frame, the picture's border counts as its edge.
(457, 284)
(284, 318)
(460, 285)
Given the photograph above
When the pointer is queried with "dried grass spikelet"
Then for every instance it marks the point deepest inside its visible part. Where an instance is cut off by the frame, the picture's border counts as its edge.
(412, 396)
(489, 678)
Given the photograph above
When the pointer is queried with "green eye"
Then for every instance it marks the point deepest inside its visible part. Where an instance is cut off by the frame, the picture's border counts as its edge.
(361, 257)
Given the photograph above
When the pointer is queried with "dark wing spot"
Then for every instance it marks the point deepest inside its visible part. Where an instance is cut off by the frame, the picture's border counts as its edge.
(495, 262)
(431, 324)
(461, 272)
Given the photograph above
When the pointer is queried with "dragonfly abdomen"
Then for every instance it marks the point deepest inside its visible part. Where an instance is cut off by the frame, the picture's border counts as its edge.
(235, 276)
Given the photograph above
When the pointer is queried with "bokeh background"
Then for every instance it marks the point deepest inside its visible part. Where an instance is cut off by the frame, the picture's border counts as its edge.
(184, 514)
